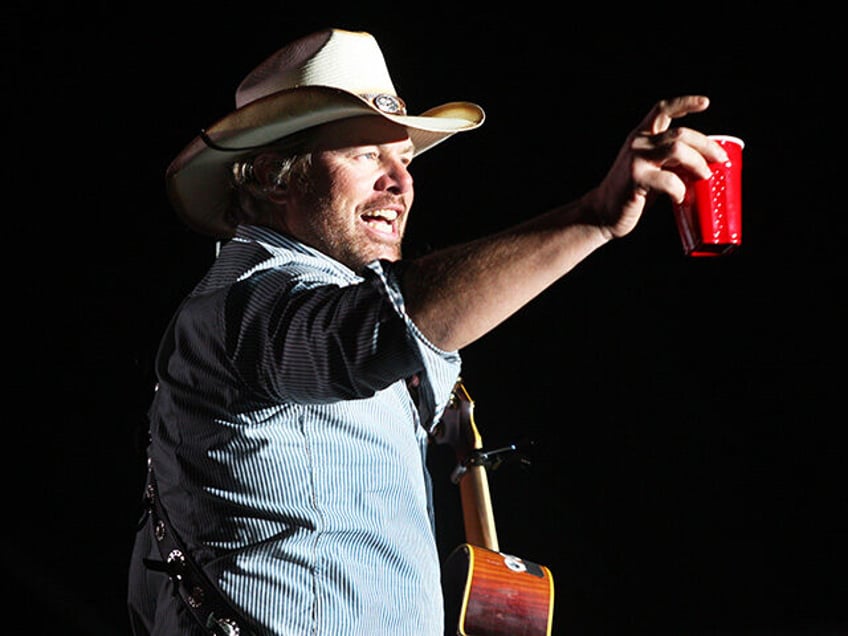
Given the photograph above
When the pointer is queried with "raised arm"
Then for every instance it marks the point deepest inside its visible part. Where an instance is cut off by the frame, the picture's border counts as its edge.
(501, 273)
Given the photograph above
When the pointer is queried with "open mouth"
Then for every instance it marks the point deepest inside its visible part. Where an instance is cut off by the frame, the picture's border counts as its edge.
(382, 221)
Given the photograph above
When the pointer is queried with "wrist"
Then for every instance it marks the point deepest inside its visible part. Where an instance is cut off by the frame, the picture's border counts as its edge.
(593, 214)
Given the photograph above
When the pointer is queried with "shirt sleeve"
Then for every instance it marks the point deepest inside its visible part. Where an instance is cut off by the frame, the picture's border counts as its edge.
(300, 338)
(440, 369)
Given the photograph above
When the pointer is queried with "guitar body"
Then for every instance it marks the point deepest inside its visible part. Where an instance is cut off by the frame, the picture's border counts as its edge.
(488, 593)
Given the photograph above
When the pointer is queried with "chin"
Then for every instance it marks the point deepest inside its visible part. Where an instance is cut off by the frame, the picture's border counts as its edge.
(383, 253)
(369, 253)
(393, 255)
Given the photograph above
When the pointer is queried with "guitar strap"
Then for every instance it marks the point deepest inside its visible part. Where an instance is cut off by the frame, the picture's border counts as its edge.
(203, 599)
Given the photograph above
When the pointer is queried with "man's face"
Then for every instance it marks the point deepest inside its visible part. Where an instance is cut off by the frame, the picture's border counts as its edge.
(357, 208)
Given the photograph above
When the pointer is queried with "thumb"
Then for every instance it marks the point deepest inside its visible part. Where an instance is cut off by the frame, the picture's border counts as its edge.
(661, 115)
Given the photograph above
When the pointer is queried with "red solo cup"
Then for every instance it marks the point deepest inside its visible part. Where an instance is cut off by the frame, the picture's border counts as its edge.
(709, 219)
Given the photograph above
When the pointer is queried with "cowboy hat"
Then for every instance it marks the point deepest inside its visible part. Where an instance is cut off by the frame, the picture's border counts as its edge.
(326, 76)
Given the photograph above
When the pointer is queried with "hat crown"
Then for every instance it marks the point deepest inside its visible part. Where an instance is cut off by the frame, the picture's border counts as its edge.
(348, 60)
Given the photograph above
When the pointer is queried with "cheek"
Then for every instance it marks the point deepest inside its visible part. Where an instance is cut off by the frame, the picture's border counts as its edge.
(346, 185)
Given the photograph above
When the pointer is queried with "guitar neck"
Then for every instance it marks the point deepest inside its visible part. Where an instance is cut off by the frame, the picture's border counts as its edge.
(477, 514)
(461, 432)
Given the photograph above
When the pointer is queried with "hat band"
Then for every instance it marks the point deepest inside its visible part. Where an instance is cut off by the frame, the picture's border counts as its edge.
(384, 102)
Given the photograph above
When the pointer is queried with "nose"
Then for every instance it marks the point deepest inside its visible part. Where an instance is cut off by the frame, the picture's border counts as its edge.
(395, 177)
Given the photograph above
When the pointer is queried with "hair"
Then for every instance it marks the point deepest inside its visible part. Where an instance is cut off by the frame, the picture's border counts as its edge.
(247, 194)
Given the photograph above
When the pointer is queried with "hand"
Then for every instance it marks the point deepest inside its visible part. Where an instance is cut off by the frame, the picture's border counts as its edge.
(651, 162)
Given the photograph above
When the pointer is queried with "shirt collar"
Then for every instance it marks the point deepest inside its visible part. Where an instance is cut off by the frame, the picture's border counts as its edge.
(275, 241)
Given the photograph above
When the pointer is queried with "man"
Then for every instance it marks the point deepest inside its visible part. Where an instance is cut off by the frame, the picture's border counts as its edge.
(300, 380)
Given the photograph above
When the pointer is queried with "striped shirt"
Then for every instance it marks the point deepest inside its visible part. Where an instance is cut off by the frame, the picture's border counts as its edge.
(290, 454)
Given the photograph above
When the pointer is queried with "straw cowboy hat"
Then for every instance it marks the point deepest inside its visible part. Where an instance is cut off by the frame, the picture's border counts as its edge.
(323, 77)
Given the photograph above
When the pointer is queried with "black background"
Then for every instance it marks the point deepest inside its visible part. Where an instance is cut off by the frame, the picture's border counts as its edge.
(688, 472)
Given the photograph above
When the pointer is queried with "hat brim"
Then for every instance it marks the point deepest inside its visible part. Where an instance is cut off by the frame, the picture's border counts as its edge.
(198, 179)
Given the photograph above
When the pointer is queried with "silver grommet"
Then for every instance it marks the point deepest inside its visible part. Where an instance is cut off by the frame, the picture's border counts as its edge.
(195, 599)
(229, 626)
(176, 555)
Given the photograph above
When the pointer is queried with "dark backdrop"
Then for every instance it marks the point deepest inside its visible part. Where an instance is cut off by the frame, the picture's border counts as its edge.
(686, 419)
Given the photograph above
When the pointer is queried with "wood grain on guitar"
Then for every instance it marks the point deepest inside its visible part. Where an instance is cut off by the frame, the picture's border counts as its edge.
(487, 592)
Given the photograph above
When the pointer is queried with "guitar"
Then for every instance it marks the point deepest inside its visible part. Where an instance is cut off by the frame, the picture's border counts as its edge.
(487, 592)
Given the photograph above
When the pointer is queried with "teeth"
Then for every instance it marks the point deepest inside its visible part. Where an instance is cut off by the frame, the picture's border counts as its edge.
(386, 215)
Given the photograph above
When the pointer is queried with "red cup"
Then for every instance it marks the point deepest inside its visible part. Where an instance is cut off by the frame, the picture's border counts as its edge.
(709, 219)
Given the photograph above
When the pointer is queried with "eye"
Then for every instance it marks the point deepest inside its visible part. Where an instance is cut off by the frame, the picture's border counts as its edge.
(370, 155)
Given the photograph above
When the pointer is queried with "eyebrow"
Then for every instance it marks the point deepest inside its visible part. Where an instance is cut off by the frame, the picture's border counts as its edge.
(409, 149)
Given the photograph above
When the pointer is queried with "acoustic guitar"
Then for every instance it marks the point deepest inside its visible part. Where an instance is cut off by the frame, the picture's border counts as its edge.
(487, 592)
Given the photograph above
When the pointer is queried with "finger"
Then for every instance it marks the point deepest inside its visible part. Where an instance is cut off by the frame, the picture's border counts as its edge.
(665, 168)
(709, 148)
(662, 114)
(683, 147)
(657, 180)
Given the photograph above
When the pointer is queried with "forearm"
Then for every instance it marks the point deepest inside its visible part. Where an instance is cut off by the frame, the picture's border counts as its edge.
(457, 295)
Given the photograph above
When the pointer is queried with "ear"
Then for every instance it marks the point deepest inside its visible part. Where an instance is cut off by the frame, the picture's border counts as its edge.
(266, 173)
